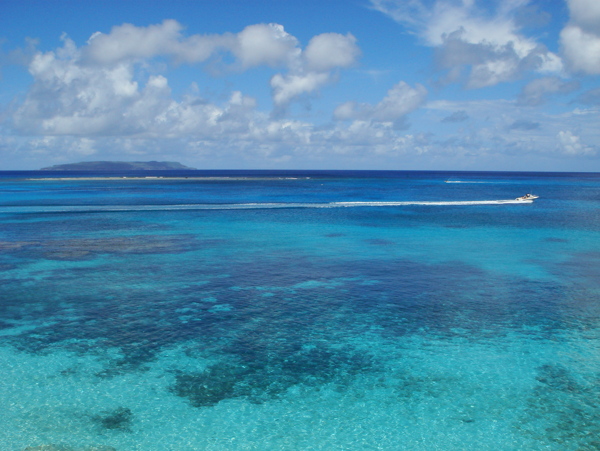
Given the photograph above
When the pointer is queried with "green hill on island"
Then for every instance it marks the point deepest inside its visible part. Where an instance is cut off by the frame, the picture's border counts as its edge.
(119, 166)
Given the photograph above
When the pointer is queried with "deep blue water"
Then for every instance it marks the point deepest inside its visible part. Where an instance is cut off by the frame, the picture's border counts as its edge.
(299, 310)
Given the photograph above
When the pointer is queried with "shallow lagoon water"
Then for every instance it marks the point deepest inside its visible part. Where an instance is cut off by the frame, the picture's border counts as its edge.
(396, 326)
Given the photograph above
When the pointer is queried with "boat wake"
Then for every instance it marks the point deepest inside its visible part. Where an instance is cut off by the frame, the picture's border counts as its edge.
(244, 206)
(469, 181)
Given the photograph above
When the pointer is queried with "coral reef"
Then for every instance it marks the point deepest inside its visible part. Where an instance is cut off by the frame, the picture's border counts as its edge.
(118, 419)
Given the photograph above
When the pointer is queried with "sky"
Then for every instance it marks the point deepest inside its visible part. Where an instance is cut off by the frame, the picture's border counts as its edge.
(508, 85)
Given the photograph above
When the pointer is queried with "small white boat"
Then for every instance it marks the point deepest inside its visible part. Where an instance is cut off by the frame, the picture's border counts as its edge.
(527, 197)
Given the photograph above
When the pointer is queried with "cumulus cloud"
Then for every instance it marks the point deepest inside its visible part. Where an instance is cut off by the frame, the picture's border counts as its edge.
(580, 39)
(256, 45)
(69, 98)
(536, 91)
(571, 144)
(108, 96)
(285, 88)
(399, 101)
(128, 42)
(98, 89)
(265, 44)
(314, 67)
(487, 43)
(99, 96)
(328, 51)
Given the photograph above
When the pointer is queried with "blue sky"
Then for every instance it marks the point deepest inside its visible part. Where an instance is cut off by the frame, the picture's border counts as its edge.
(329, 84)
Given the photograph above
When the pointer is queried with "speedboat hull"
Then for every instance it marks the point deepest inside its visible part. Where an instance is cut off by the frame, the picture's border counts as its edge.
(527, 197)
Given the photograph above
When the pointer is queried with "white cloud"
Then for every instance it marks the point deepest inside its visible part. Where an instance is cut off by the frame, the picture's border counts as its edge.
(128, 42)
(236, 136)
(328, 51)
(399, 101)
(95, 89)
(255, 45)
(504, 131)
(313, 68)
(571, 144)
(580, 39)
(467, 35)
(67, 98)
(108, 98)
(581, 49)
(586, 14)
(99, 89)
(285, 88)
(69, 148)
(265, 45)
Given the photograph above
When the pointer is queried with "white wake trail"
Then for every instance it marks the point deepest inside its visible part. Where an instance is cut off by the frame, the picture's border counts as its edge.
(246, 206)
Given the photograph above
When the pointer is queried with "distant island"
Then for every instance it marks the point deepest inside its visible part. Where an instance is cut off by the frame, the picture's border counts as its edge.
(116, 166)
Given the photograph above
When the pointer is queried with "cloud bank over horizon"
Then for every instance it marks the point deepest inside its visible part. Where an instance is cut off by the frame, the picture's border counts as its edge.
(119, 94)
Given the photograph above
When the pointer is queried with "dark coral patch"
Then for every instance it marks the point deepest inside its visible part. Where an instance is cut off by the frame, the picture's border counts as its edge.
(564, 403)
(139, 244)
(85, 248)
(556, 377)
(119, 419)
(267, 379)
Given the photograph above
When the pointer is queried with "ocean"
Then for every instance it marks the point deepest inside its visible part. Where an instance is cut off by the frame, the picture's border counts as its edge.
(299, 310)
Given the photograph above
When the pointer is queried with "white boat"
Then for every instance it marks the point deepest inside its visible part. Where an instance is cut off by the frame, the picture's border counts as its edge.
(527, 197)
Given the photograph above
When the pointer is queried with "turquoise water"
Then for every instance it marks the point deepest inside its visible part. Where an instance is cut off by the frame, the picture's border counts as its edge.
(300, 311)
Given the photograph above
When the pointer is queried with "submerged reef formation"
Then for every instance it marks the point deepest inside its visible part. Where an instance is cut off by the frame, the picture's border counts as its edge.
(118, 419)
(86, 248)
(264, 379)
(567, 405)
